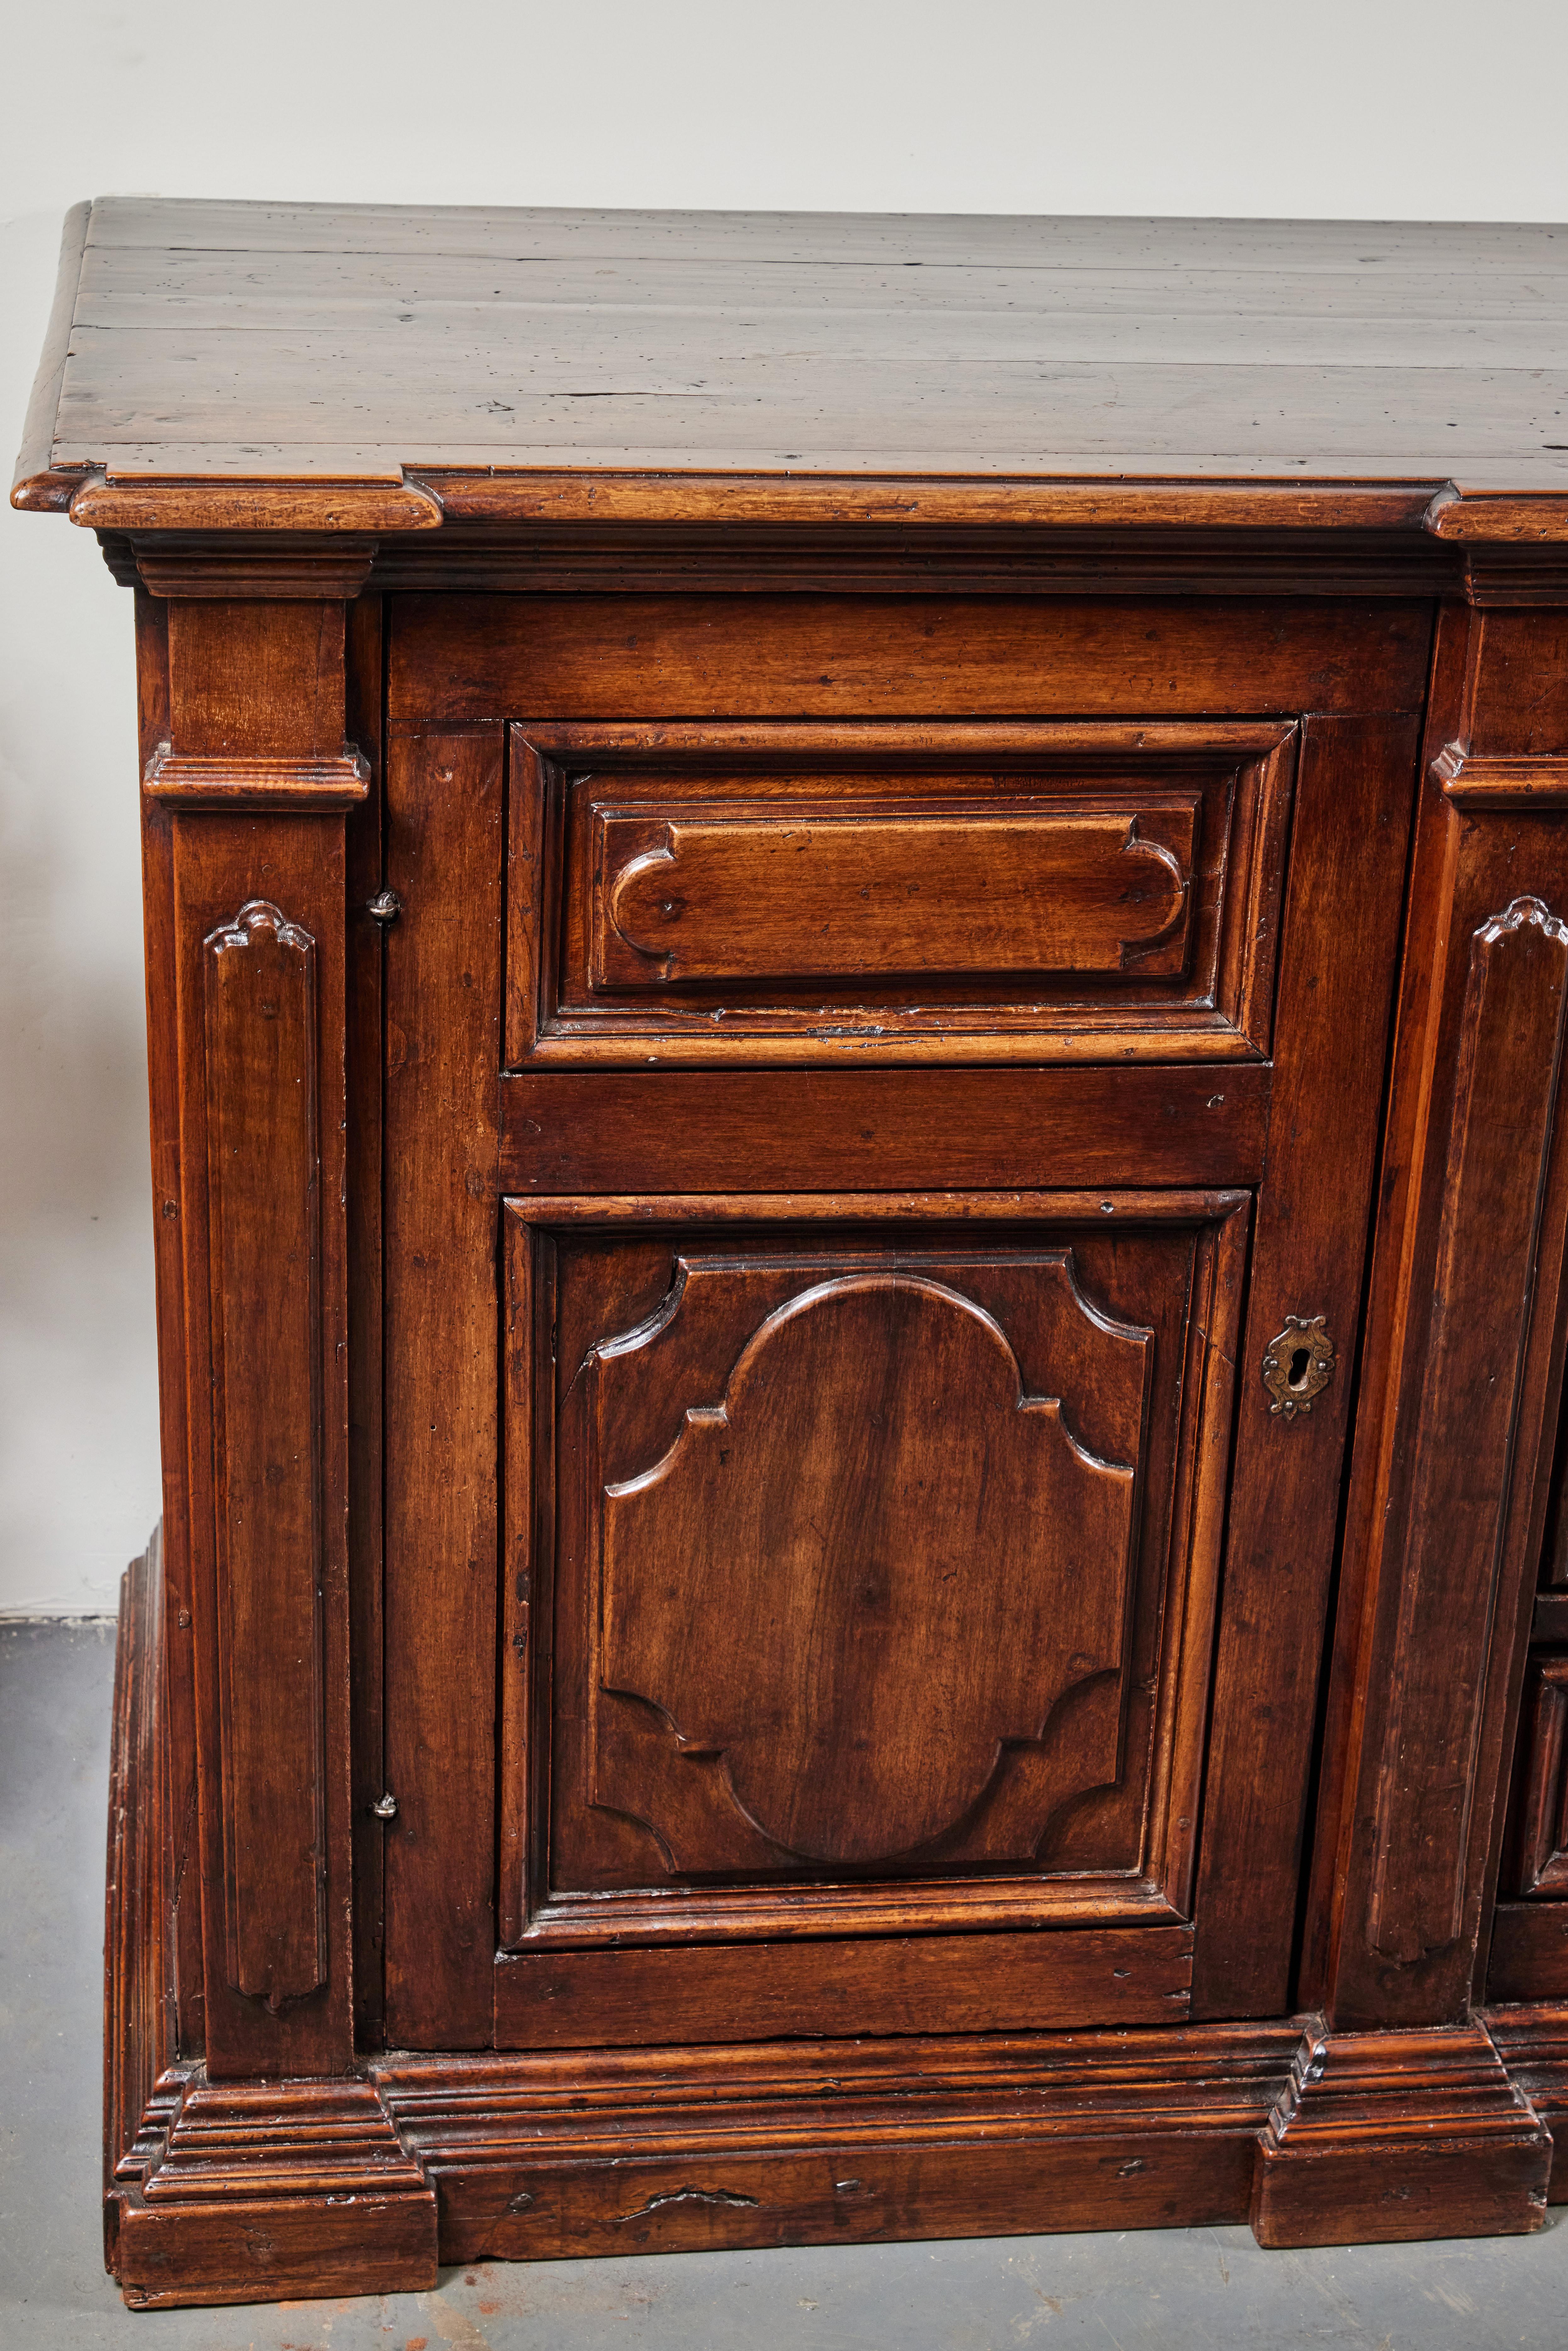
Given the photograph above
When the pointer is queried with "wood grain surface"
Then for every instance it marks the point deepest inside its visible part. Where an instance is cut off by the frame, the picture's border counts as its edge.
(290, 344)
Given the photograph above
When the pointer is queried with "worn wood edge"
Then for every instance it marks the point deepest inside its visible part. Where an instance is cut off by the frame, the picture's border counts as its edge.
(316, 2249)
(906, 740)
(1541, 516)
(1528, 1953)
(136, 1989)
(1384, 1310)
(278, 565)
(1206, 1140)
(38, 487)
(589, 494)
(1395, 2137)
(1482, 784)
(1170, 1205)
(101, 501)
(257, 2191)
(1118, 1974)
(414, 497)
(880, 557)
(241, 784)
(583, 2151)
(1532, 2039)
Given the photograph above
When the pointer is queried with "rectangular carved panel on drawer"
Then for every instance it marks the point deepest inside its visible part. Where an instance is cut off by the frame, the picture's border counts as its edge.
(736, 891)
(863, 1570)
(933, 892)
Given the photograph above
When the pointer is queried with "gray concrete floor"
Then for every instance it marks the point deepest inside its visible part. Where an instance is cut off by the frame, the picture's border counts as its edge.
(1204, 2288)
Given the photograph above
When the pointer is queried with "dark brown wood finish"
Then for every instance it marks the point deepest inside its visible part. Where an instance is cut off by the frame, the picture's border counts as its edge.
(1382, 2137)
(459, 660)
(444, 862)
(364, 877)
(752, 1992)
(806, 1088)
(264, 1257)
(639, 1804)
(1481, 1377)
(1332, 1020)
(139, 2017)
(816, 2142)
(269, 1469)
(1538, 1863)
(1047, 893)
(174, 1538)
(722, 1131)
(1533, 2042)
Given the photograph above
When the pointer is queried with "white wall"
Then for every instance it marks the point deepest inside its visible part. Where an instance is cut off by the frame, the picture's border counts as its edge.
(1369, 108)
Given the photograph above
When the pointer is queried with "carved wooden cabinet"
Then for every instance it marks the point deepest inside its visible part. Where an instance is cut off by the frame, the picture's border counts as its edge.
(855, 938)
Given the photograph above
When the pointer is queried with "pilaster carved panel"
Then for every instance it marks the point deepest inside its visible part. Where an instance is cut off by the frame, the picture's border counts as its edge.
(264, 1169)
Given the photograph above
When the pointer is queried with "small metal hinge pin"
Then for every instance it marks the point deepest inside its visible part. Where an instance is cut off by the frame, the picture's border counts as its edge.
(385, 1808)
(385, 906)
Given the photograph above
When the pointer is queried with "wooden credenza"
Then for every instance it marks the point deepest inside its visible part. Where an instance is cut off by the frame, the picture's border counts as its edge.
(856, 936)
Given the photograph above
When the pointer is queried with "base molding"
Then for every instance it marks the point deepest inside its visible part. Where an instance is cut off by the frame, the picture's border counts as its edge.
(1532, 2043)
(664, 2150)
(265, 2190)
(1381, 2138)
(244, 2192)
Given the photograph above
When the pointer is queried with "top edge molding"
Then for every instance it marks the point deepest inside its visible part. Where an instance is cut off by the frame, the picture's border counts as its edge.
(301, 504)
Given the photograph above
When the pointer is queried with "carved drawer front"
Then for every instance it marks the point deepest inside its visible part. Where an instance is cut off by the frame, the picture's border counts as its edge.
(684, 893)
(864, 1566)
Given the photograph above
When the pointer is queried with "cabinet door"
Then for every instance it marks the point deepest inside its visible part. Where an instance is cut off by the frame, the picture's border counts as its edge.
(871, 1551)
(860, 1512)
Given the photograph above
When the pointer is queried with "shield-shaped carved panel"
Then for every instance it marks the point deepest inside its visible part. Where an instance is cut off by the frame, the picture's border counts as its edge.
(866, 1561)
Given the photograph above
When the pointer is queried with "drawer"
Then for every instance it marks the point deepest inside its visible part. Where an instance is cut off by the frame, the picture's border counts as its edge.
(805, 892)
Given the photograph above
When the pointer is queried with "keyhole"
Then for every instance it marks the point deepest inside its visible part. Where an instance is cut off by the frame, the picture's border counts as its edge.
(1300, 1364)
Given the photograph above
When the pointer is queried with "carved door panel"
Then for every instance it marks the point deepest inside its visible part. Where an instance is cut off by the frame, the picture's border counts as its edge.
(866, 1561)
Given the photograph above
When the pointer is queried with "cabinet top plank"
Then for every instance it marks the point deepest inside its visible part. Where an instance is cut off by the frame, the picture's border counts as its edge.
(251, 365)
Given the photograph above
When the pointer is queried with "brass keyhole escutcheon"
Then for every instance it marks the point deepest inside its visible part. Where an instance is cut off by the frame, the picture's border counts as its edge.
(1298, 1364)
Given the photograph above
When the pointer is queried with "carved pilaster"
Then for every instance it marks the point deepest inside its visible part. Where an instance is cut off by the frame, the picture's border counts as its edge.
(1464, 1359)
(247, 790)
(1505, 1094)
